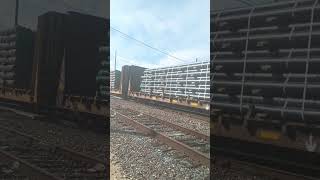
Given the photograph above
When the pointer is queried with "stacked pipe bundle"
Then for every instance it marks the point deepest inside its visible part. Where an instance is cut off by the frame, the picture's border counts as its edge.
(266, 61)
(115, 80)
(103, 74)
(16, 53)
(190, 81)
(83, 36)
(7, 56)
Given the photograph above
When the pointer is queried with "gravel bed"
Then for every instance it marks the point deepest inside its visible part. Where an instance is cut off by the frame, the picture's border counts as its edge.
(115, 170)
(179, 118)
(141, 157)
(83, 141)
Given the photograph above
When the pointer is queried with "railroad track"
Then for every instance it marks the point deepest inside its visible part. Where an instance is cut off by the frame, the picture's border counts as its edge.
(190, 143)
(198, 113)
(262, 161)
(235, 166)
(191, 113)
(32, 158)
(194, 111)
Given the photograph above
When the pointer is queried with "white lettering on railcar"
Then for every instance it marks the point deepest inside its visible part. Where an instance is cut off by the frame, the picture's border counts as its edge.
(311, 145)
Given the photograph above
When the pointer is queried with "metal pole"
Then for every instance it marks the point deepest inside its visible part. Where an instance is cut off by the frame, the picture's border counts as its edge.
(115, 62)
(16, 13)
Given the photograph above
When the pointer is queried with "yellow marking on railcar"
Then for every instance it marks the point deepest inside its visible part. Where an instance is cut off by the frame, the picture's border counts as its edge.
(194, 104)
(174, 101)
(270, 135)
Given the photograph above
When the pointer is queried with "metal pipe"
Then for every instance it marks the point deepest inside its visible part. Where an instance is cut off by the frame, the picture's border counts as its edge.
(16, 13)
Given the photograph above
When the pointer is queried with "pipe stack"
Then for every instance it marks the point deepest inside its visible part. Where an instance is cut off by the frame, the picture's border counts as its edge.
(103, 73)
(7, 57)
(266, 60)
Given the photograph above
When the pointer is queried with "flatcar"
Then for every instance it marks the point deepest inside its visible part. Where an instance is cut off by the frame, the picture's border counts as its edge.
(59, 68)
(265, 74)
(184, 87)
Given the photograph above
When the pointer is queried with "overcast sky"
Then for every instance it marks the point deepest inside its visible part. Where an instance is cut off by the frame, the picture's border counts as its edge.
(180, 27)
(31, 9)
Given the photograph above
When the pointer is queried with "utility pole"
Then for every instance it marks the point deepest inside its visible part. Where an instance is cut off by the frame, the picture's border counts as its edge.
(16, 13)
(115, 62)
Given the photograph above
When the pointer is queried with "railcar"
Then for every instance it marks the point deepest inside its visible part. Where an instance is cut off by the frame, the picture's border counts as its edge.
(265, 77)
(62, 68)
(185, 87)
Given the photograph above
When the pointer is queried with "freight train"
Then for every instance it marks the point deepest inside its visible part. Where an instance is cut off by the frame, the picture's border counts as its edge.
(265, 73)
(63, 67)
(182, 87)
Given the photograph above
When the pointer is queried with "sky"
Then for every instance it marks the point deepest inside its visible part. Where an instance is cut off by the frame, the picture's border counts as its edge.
(30, 10)
(179, 27)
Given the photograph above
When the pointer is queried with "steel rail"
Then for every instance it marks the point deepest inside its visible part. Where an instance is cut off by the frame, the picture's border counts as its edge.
(265, 108)
(259, 170)
(270, 36)
(197, 156)
(175, 107)
(274, 4)
(223, 158)
(266, 13)
(26, 168)
(180, 128)
(266, 84)
(66, 152)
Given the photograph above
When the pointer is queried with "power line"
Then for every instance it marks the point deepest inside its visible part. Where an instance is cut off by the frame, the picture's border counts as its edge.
(132, 38)
(130, 61)
(127, 60)
(147, 45)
